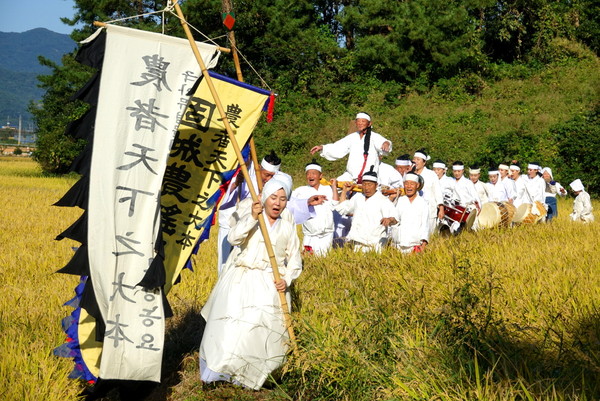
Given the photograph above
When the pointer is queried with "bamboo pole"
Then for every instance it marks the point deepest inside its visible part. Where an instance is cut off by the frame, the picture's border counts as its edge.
(236, 61)
(261, 219)
(103, 24)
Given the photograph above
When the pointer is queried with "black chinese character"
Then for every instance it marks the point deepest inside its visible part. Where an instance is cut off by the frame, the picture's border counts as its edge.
(186, 241)
(169, 223)
(174, 181)
(132, 198)
(215, 176)
(142, 158)
(219, 157)
(233, 114)
(116, 333)
(145, 114)
(156, 72)
(119, 289)
(198, 114)
(202, 201)
(188, 149)
(222, 138)
(123, 241)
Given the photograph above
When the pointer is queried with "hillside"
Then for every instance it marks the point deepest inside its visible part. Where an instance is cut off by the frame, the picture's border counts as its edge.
(19, 67)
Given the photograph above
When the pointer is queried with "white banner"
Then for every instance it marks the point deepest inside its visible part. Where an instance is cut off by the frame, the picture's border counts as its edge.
(144, 81)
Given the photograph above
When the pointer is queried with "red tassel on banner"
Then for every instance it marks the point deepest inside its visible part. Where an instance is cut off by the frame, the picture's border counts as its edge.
(271, 107)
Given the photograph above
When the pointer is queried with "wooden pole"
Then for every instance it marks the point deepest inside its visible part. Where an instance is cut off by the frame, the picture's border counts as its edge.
(227, 8)
(103, 24)
(261, 219)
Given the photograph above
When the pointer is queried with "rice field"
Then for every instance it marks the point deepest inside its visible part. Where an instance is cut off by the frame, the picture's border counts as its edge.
(505, 314)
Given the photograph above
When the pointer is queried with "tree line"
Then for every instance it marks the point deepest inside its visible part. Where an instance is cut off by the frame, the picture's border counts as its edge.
(328, 53)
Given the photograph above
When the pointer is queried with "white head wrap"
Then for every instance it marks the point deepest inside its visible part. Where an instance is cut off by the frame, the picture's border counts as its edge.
(493, 172)
(422, 156)
(576, 185)
(457, 167)
(515, 167)
(502, 166)
(369, 177)
(474, 170)
(312, 166)
(532, 166)
(549, 170)
(439, 165)
(402, 162)
(363, 115)
(272, 186)
(412, 177)
(273, 168)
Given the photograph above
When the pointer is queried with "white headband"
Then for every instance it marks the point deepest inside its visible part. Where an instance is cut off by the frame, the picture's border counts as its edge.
(474, 171)
(458, 167)
(515, 167)
(493, 172)
(532, 166)
(439, 165)
(269, 167)
(313, 167)
(422, 156)
(369, 177)
(502, 167)
(402, 162)
(363, 115)
(412, 177)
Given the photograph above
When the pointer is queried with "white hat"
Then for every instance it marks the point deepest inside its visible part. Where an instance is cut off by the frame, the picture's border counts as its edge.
(273, 168)
(576, 185)
(272, 186)
(363, 115)
(416, 178)
(549, 170)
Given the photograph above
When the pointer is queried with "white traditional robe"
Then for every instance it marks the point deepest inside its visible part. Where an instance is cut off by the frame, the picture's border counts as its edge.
(521, 192)
(554, 189)
(353, 146)
(464, 191)
(535, 188)
(432, 193)
(318, 230)
(367, 231)
(497, 192)
(447, 186)
(245, 338)
(413, 223)
(390, 177)
(482, 191)
(582, 208)
(511, 189)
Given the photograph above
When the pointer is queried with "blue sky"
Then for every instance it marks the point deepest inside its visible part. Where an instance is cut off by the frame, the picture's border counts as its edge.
(23, 15)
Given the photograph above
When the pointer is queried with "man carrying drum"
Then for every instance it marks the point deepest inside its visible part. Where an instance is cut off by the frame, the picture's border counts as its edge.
(411, 234)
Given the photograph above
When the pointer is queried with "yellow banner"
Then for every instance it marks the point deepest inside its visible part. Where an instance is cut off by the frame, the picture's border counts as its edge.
(201, 160)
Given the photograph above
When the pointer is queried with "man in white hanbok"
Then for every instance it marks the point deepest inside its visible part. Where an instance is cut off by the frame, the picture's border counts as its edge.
(318, 230)
(403, 164)
(535, 184)
(411, 234)
(446, 182)
(511, 189)
(362, 148)
(582, 207)
(496, 189)
(480, 187)
(373, 214)
(464, 191)
(245, 337)
(431, 191)
(521, 190)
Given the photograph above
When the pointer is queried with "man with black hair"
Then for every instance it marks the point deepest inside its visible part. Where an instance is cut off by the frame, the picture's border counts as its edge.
(431, 191)
(362, 147)
(404, 164)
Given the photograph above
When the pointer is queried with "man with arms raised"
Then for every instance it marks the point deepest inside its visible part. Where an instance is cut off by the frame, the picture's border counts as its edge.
(411, 234)
(362, 147)
(372, 211)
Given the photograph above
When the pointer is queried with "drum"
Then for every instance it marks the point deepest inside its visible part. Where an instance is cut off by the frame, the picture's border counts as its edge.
(456, 213)
(496, 214)
(530, 213)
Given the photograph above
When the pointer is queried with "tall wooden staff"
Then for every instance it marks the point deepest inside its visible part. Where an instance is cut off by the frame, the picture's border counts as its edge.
(227, 8)
(261, 220)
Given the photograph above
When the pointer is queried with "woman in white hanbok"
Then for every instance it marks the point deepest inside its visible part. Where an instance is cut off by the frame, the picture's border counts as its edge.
(245, 338)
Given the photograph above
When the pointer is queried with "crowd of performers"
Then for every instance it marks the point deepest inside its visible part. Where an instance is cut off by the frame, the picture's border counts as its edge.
(371, 205)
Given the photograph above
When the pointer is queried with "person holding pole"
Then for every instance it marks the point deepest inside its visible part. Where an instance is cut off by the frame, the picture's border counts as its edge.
(245, 338)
